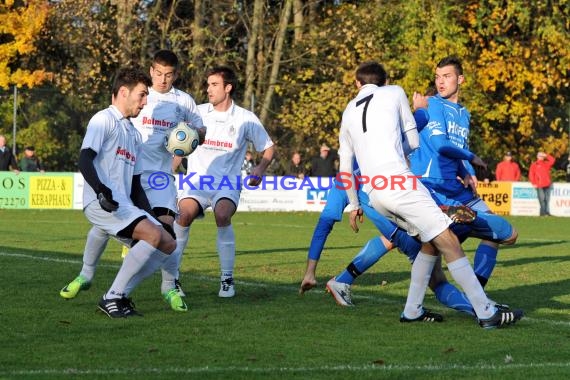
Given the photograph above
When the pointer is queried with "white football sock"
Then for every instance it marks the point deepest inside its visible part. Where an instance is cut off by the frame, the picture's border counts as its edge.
(182, 237)
(149, 268)
(463, 274)
(421, 273)
(134, 262)
(226, 243)
(95, 245)
(170, 270)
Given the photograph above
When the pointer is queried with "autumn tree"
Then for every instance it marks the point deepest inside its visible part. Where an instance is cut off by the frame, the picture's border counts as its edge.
(20, 26)
(319, 81)
(520, 55)
(515, 59)
(296, 60)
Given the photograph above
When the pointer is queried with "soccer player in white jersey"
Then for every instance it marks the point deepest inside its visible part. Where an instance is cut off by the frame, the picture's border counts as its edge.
(378, 129)
(214, 166)
(166, 107)
(113, 199)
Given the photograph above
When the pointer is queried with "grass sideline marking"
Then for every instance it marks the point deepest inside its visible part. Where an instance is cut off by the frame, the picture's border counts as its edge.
(251, 284)
(351, 368)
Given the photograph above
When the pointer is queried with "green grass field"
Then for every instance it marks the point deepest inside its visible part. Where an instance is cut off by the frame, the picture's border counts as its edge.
(268, 331)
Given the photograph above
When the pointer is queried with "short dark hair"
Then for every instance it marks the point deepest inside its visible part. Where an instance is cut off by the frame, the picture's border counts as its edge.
(227, 74)
(451, 61)
(371, 72)
(165, 58)
(129, 77)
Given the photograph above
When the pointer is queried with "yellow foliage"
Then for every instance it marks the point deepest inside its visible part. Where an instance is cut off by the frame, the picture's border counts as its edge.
(23, 24)
(519, 66)
(515, 57)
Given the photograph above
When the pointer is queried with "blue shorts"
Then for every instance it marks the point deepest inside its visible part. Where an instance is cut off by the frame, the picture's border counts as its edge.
(490, 227)
(446, 192)
(487, 226)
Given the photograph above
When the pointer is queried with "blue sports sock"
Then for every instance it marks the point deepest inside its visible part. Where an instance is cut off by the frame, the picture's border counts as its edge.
(368, 256)
(484, 262)
(322, 230)
(407, 244)
(453, 298)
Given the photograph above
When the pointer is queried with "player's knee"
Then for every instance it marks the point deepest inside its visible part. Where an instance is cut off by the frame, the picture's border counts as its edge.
(153, 235)
(183, 219)
(223, 220)
(327, 221)
(387, 243)
(512, 239)
(167, 243)
(188, 210)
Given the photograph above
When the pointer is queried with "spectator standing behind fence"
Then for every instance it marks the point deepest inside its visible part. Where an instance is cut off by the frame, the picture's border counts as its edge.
(508, 170)
(7, 159)
(539, 176)
(568, 171)
(324, 164)
(295, 167)
(30, 162)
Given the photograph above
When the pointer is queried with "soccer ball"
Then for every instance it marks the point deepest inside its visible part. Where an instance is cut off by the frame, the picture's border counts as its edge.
(182, 140)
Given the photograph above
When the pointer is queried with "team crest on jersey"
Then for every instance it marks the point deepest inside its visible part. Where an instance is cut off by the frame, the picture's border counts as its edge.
(232, 130)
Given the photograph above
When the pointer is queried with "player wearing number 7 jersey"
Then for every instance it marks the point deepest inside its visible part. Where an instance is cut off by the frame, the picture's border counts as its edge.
(372, 127)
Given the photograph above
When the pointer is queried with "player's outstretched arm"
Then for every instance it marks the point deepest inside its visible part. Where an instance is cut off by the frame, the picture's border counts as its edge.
(87, 169)
(138, 195)
(257, 172)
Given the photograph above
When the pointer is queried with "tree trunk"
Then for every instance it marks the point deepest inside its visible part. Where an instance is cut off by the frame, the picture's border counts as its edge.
(152, 14)
(197, 49)
(124, 21)
(298, 20)
(277, 53)
(252, 42)
(313, 11)
(166, 26)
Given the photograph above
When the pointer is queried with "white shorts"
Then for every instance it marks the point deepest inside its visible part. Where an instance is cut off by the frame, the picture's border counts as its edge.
(160, 190)
(413, 210)
(209, 198)
(114, 222)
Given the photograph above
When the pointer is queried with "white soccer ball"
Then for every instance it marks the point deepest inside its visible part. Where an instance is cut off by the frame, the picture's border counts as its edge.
(182, 140)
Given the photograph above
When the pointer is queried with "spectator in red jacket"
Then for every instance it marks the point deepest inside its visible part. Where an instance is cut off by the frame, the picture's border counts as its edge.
(508, 170)
(539, 176)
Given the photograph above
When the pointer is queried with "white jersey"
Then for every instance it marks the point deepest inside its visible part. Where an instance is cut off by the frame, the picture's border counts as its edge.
(224, 149)
(372, 128)
(160, 115)
(117, 144)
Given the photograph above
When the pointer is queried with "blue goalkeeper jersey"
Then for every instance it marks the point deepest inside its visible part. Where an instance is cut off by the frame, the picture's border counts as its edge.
(443, 144)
